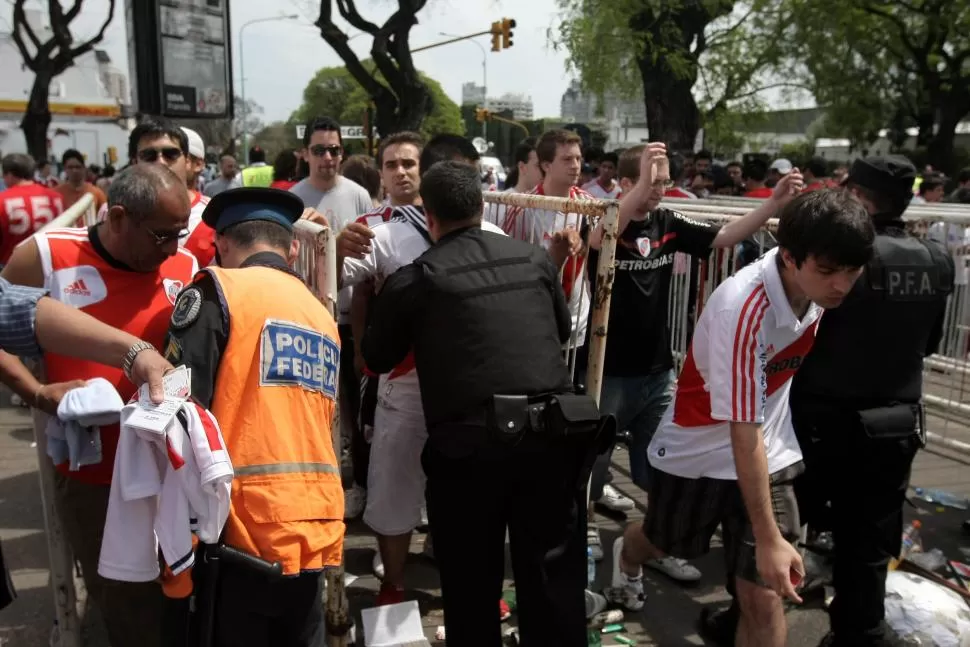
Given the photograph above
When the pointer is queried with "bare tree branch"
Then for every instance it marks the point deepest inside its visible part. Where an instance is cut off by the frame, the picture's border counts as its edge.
(86, 47)
(338, 41)
(60, 27)
(20, 20)
(348, 11)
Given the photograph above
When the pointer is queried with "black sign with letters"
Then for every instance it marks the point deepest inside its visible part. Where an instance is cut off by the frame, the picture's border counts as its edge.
(180, 58)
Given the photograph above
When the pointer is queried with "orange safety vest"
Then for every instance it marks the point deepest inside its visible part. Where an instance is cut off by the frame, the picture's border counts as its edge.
(274, 399)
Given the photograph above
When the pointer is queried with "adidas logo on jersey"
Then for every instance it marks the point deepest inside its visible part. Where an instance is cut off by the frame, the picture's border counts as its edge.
(78, 288)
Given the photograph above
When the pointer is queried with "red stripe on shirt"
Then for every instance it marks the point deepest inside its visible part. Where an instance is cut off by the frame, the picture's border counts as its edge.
(752, 357)
(741, 336)
(210, 429)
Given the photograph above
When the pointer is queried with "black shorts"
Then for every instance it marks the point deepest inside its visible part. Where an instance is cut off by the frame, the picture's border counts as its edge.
(684, 513)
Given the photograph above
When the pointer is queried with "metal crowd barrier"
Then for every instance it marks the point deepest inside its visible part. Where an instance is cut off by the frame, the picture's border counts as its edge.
(946, 391)
(531, 218)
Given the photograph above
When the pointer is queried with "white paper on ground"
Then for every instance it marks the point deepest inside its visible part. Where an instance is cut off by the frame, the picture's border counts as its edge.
(392, 625)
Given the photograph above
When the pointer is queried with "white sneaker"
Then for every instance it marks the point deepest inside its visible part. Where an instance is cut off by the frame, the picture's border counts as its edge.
(594, 542)
(613, 500)
(624, 590)
(354, 501)
(595, 603)
(678, 569)
(377, 565)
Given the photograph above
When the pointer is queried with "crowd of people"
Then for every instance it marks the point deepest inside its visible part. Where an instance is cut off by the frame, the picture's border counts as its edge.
(448, 357)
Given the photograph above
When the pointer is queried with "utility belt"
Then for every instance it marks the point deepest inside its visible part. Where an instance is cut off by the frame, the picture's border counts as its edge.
(509, 417)
(895, 421)
(561, 417)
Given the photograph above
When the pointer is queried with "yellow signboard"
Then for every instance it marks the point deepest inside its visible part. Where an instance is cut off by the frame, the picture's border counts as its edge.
(70, 109)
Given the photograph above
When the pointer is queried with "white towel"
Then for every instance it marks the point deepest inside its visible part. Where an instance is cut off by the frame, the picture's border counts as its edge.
(74, 435)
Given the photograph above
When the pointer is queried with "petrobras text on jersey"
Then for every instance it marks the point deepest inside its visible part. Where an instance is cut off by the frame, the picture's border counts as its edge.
(291, 355)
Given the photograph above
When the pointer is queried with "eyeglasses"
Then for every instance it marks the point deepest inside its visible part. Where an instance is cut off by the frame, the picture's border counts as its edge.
(320, 150)
(150, 155)
(164, 237)
(663, 185)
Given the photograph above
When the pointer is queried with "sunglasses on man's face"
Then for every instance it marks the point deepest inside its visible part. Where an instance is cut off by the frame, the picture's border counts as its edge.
(150, 155)
(320, 150)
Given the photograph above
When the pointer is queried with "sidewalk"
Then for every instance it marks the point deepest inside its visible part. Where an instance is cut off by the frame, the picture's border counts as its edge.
(668, 618)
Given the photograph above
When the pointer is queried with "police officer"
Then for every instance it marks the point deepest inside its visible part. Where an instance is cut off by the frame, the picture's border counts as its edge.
(856, 401)
(264, 354)
(508, 443)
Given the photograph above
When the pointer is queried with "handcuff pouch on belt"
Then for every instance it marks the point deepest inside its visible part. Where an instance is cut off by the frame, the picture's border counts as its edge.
(554, 416)
(897, 421)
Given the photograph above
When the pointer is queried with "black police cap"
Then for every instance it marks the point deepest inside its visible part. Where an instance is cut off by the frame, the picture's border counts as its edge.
(248, 204)
(892, 175)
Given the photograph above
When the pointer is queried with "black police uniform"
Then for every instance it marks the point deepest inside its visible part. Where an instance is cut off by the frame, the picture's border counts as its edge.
(238, 604)
(856, 405)
(486, 317)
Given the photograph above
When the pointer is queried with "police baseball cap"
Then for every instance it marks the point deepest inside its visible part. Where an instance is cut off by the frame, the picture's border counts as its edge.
(892, 176)
(248, 204)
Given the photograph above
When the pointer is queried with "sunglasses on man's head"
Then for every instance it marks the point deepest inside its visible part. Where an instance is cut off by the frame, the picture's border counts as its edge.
(150, 155)
(320, 150)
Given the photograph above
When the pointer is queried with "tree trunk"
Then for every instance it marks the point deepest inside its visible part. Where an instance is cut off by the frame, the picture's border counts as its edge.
(672, 113)
(37, 118)
(405, 113)
(940, 152)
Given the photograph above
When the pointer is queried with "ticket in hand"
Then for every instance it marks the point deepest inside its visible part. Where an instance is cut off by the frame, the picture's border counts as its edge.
(156, 417)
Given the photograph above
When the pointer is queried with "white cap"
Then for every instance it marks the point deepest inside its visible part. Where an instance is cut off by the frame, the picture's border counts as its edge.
(781, 165)
(196, 145)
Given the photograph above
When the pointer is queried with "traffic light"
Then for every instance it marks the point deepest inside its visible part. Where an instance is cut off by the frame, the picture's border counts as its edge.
(508, 24)
(482, 115)
(497, 36)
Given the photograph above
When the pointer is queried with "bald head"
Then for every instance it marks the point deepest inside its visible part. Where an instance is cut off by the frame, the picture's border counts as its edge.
(148, 214)
(140, 187)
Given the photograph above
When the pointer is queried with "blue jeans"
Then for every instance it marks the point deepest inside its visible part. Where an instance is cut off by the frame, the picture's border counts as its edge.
(638, 403)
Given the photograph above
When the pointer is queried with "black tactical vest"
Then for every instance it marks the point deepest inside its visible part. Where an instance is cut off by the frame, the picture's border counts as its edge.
(869, 351)
(488, 324)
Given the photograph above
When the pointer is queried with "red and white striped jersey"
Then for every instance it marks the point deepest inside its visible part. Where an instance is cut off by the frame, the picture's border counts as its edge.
(747, 345)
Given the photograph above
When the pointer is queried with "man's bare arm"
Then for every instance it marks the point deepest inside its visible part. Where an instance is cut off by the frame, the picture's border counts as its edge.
(741, 228)
(633, 205)
(751, 463)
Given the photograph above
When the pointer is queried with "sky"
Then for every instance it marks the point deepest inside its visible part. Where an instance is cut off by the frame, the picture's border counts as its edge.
(282, 56)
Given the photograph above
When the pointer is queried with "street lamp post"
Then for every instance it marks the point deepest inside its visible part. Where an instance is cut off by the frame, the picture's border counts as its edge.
(242, 75)
(484, 80)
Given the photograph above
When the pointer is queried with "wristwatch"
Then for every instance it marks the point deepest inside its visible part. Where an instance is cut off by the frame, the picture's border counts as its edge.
(132, 353)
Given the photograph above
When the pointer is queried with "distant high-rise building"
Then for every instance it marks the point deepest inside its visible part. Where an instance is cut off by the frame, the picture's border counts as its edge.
(520, 104)
(581, 106)
(472, 94)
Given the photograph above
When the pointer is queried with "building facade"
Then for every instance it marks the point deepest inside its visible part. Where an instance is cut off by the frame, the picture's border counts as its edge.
(88, 102)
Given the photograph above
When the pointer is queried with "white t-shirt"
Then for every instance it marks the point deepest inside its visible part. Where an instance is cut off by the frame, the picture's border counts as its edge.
(594, 189)
(396, 243)
(956, 240)
(747, 345)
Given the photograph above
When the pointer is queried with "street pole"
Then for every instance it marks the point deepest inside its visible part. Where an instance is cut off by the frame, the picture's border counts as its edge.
(484, 73)
(242, 77)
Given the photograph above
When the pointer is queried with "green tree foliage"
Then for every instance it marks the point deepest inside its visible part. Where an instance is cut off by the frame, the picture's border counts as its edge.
(335, 93)
(694, 61)
(877, 64)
